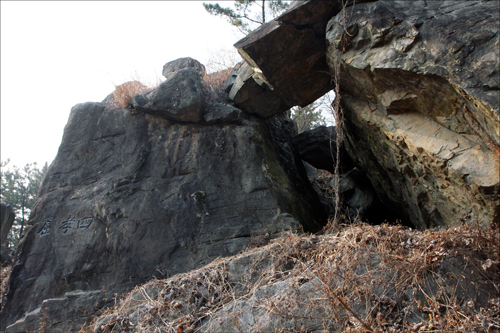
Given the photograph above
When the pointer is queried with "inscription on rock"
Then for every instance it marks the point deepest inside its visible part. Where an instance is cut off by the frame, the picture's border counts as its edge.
(70, 223)
(46, 222)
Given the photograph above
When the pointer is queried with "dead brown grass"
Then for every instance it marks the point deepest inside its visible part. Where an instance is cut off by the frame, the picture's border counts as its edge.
(358, 278)
(4, 277)
(214, 85)
(124, 92)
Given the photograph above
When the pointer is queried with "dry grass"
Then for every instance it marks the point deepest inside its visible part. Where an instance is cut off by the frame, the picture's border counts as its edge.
(4, 277)
(172, 305)
(359, 278)
(124, 92)
(213, 84)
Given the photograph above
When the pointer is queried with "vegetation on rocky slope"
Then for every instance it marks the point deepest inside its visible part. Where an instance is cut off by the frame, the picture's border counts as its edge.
(357, 278)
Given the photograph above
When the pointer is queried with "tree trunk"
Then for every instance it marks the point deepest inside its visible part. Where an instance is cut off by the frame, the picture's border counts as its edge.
(263, 11)
(22, 219)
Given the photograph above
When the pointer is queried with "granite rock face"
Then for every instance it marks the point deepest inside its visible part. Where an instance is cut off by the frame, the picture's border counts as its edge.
(171, 67)
(65, 314)
(419, 87)
(287, 59)
(252, 93)
(132, 196)
(180, 98)
(419, 84)
(137, 195)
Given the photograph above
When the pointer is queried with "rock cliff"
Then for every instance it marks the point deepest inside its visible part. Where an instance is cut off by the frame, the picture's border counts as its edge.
(420, 89)
(419, 86)
(176, 179)
(131, 196)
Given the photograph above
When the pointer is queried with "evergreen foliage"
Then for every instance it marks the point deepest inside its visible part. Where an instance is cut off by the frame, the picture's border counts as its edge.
(308, 117)
(244, 16)
(19, 188)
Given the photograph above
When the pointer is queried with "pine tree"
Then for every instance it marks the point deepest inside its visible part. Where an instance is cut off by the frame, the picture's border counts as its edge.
(244, 16)
(308, 117)
(19, 188)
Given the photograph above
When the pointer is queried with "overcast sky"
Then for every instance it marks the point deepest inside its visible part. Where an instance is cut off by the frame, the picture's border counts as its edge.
(60, 53)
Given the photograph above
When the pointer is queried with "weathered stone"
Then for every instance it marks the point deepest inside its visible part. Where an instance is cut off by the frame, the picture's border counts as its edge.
(358, 199)
(131, 196)
(357, 193)
(171, 67)
(252, 93)
(231, 79)
(65, 314)
(222, 113)
(299, 78)
(214, 88)
(179, 98)
(292, 283)
(319, 180)
(7, 217)
(318, 147)
(419, 87)
(290, 52)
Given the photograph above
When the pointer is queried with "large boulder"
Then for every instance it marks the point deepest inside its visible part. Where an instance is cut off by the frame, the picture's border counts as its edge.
(252, 93)
(132, 196)
(171, 67)
(419, 87)
(180, 98)
(288, 54)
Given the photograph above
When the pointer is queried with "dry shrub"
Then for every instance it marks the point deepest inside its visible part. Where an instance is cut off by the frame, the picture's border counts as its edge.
(383, 278)
(124, 92)
(172, 305)
(213, 84)
(4, 278)
(358, 279)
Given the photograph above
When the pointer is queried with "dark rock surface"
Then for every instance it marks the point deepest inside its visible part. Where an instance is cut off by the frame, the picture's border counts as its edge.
(419, 84)
(180, 98)
(420, 92)
(357, 193)
(64, 314)
(131, 196)
(5, 256)
(289, 55)
(253, 94)
(358, 198)
(229, 82)
(222, 113)
(318, 147)
(7, 217)
(173, 66)
(134, 195)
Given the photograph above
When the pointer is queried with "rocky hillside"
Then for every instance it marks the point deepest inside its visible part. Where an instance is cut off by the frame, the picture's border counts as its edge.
(358, 279)
(155, 200)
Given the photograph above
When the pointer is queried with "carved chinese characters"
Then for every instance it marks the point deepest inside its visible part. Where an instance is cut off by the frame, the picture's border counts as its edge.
(69, 223)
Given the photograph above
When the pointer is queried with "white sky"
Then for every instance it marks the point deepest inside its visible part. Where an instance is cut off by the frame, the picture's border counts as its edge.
(55, 54)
